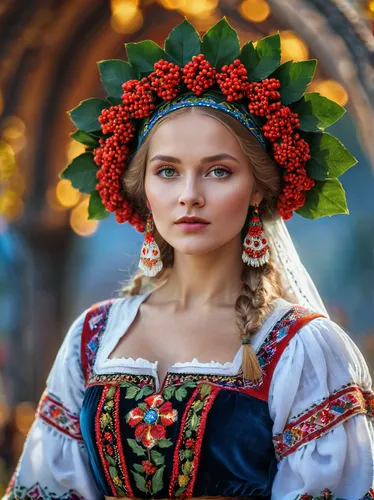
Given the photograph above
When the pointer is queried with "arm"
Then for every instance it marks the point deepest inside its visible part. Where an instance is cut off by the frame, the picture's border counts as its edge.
(321, 402)
(54, 462)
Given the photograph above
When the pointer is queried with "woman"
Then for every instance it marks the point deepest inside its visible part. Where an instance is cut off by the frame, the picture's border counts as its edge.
(152, 394)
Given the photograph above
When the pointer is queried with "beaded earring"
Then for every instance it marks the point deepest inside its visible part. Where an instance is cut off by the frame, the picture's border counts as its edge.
(150, 256)
(255, 247)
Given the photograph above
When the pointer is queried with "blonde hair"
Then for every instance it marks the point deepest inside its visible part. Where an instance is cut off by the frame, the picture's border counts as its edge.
(260, 286)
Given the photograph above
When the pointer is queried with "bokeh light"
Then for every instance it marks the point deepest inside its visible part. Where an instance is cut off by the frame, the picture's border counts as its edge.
(11, 205)
(79, 219)
(254, 10)
(1, 103)
(13, 128)
(127, 17)
(52, 200)
(66, 194)
(74, 149)
(293, 47)
(172, 4)
(24, 416)
(330, 89)
(7, 161)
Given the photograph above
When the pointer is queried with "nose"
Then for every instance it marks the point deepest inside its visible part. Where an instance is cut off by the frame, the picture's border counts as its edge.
(191, 194)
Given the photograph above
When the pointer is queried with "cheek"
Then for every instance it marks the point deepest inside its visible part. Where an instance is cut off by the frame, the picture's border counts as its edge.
(233, 203)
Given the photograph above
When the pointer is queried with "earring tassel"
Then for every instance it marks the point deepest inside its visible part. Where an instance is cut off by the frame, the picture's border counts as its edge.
(150, 256)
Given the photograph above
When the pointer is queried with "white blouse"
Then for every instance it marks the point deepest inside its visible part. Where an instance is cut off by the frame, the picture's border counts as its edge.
(318, 362)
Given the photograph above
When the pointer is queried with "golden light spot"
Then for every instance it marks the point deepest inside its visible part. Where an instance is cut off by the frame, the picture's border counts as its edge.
(17, 182)
(79, 220)
(13, 128)
(293, 47)
(126, 16)
(74, 149)
(172, 4)
(254, 10)
(52, 200)
(24, 416)
(66, 194)
(198, 7)
(370, 6)
(7, 161)
(331, 89)
(11, 205)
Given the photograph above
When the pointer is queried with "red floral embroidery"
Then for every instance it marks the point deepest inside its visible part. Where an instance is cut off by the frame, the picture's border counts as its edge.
(55, 414)
(151, 421)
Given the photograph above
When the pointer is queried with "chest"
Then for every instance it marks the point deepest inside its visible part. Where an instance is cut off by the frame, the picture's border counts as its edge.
(179, 338)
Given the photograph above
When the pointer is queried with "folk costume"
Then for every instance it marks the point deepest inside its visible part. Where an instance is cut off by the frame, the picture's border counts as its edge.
(108, 427)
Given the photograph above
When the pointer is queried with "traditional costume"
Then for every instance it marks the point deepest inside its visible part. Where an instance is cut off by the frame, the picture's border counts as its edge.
(109, 427)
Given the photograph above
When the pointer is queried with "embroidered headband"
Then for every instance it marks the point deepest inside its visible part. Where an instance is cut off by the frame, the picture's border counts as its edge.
(248, 82)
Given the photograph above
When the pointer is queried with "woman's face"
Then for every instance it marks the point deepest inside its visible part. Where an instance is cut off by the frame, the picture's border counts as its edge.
(196, 167)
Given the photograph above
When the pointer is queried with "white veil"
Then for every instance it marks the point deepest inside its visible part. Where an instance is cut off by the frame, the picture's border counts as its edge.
(297, 283)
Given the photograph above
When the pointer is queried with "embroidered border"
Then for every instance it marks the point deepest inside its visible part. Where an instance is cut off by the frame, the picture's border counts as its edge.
(318, 420)
(327, 495)
(188, 447)
(108, 440)
(38, 492)
(122, 380)
(55, 414)
(93, 328)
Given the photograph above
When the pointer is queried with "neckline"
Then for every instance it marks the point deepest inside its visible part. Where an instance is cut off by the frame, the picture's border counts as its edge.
(129, 307)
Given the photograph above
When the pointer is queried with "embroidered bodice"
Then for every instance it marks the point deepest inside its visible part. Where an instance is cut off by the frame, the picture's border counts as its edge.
(204, 430)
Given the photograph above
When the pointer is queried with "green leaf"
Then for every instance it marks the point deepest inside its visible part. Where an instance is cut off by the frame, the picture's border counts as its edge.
(157, 458)
(81, 172)
(205, 389)
(110, 393)
(138, 450)
(132, 391)
(189, 383)
(262, 60)
(164, 443)
(329, 157)
(180, 393)
(85, 115)
(294, 78)
(326, 198)
(147, 390)
(140, 482)
(105, 420)
(113, 73)
(169, 391)
(317, 112)
(220, 45)
(183, 42)
(116, 101)
(96, 209)
(143, 55)
(157, 480)
(113, 471)
(84, 138)
(188, 454)
(197, 405)
(188, 433)
(186, 467)
(180, 491)
(143, 406)
(110, 460)
(139, 468)
(194, 421)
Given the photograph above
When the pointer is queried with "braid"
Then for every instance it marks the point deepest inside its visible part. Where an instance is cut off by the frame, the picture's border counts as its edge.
(260, 286)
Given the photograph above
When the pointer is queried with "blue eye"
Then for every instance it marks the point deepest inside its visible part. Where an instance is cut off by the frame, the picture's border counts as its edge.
(220, 169)
(165, 169)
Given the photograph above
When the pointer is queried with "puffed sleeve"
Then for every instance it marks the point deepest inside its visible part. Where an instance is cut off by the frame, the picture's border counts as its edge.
(321, 403)
(54, 462)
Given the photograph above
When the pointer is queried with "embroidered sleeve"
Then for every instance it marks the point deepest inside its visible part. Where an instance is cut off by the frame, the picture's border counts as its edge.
(54, 462)
(321, 402)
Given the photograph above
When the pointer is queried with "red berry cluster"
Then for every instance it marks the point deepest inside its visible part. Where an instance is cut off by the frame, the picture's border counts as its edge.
(148, 467)
(289, 150)
(165, 80)
(111, 156)
(260, 94)
(233, 81)
(137, 98)
(199, 75)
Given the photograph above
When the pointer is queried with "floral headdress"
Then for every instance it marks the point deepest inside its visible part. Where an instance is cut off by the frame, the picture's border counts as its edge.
(250, 83)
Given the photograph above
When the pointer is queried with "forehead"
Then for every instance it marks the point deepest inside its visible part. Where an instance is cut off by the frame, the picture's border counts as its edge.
(192, 131)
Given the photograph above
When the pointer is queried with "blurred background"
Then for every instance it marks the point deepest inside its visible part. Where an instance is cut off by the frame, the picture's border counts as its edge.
(54, 262)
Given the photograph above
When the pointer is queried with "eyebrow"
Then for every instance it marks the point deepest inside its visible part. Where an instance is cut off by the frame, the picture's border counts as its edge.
(206, 159)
